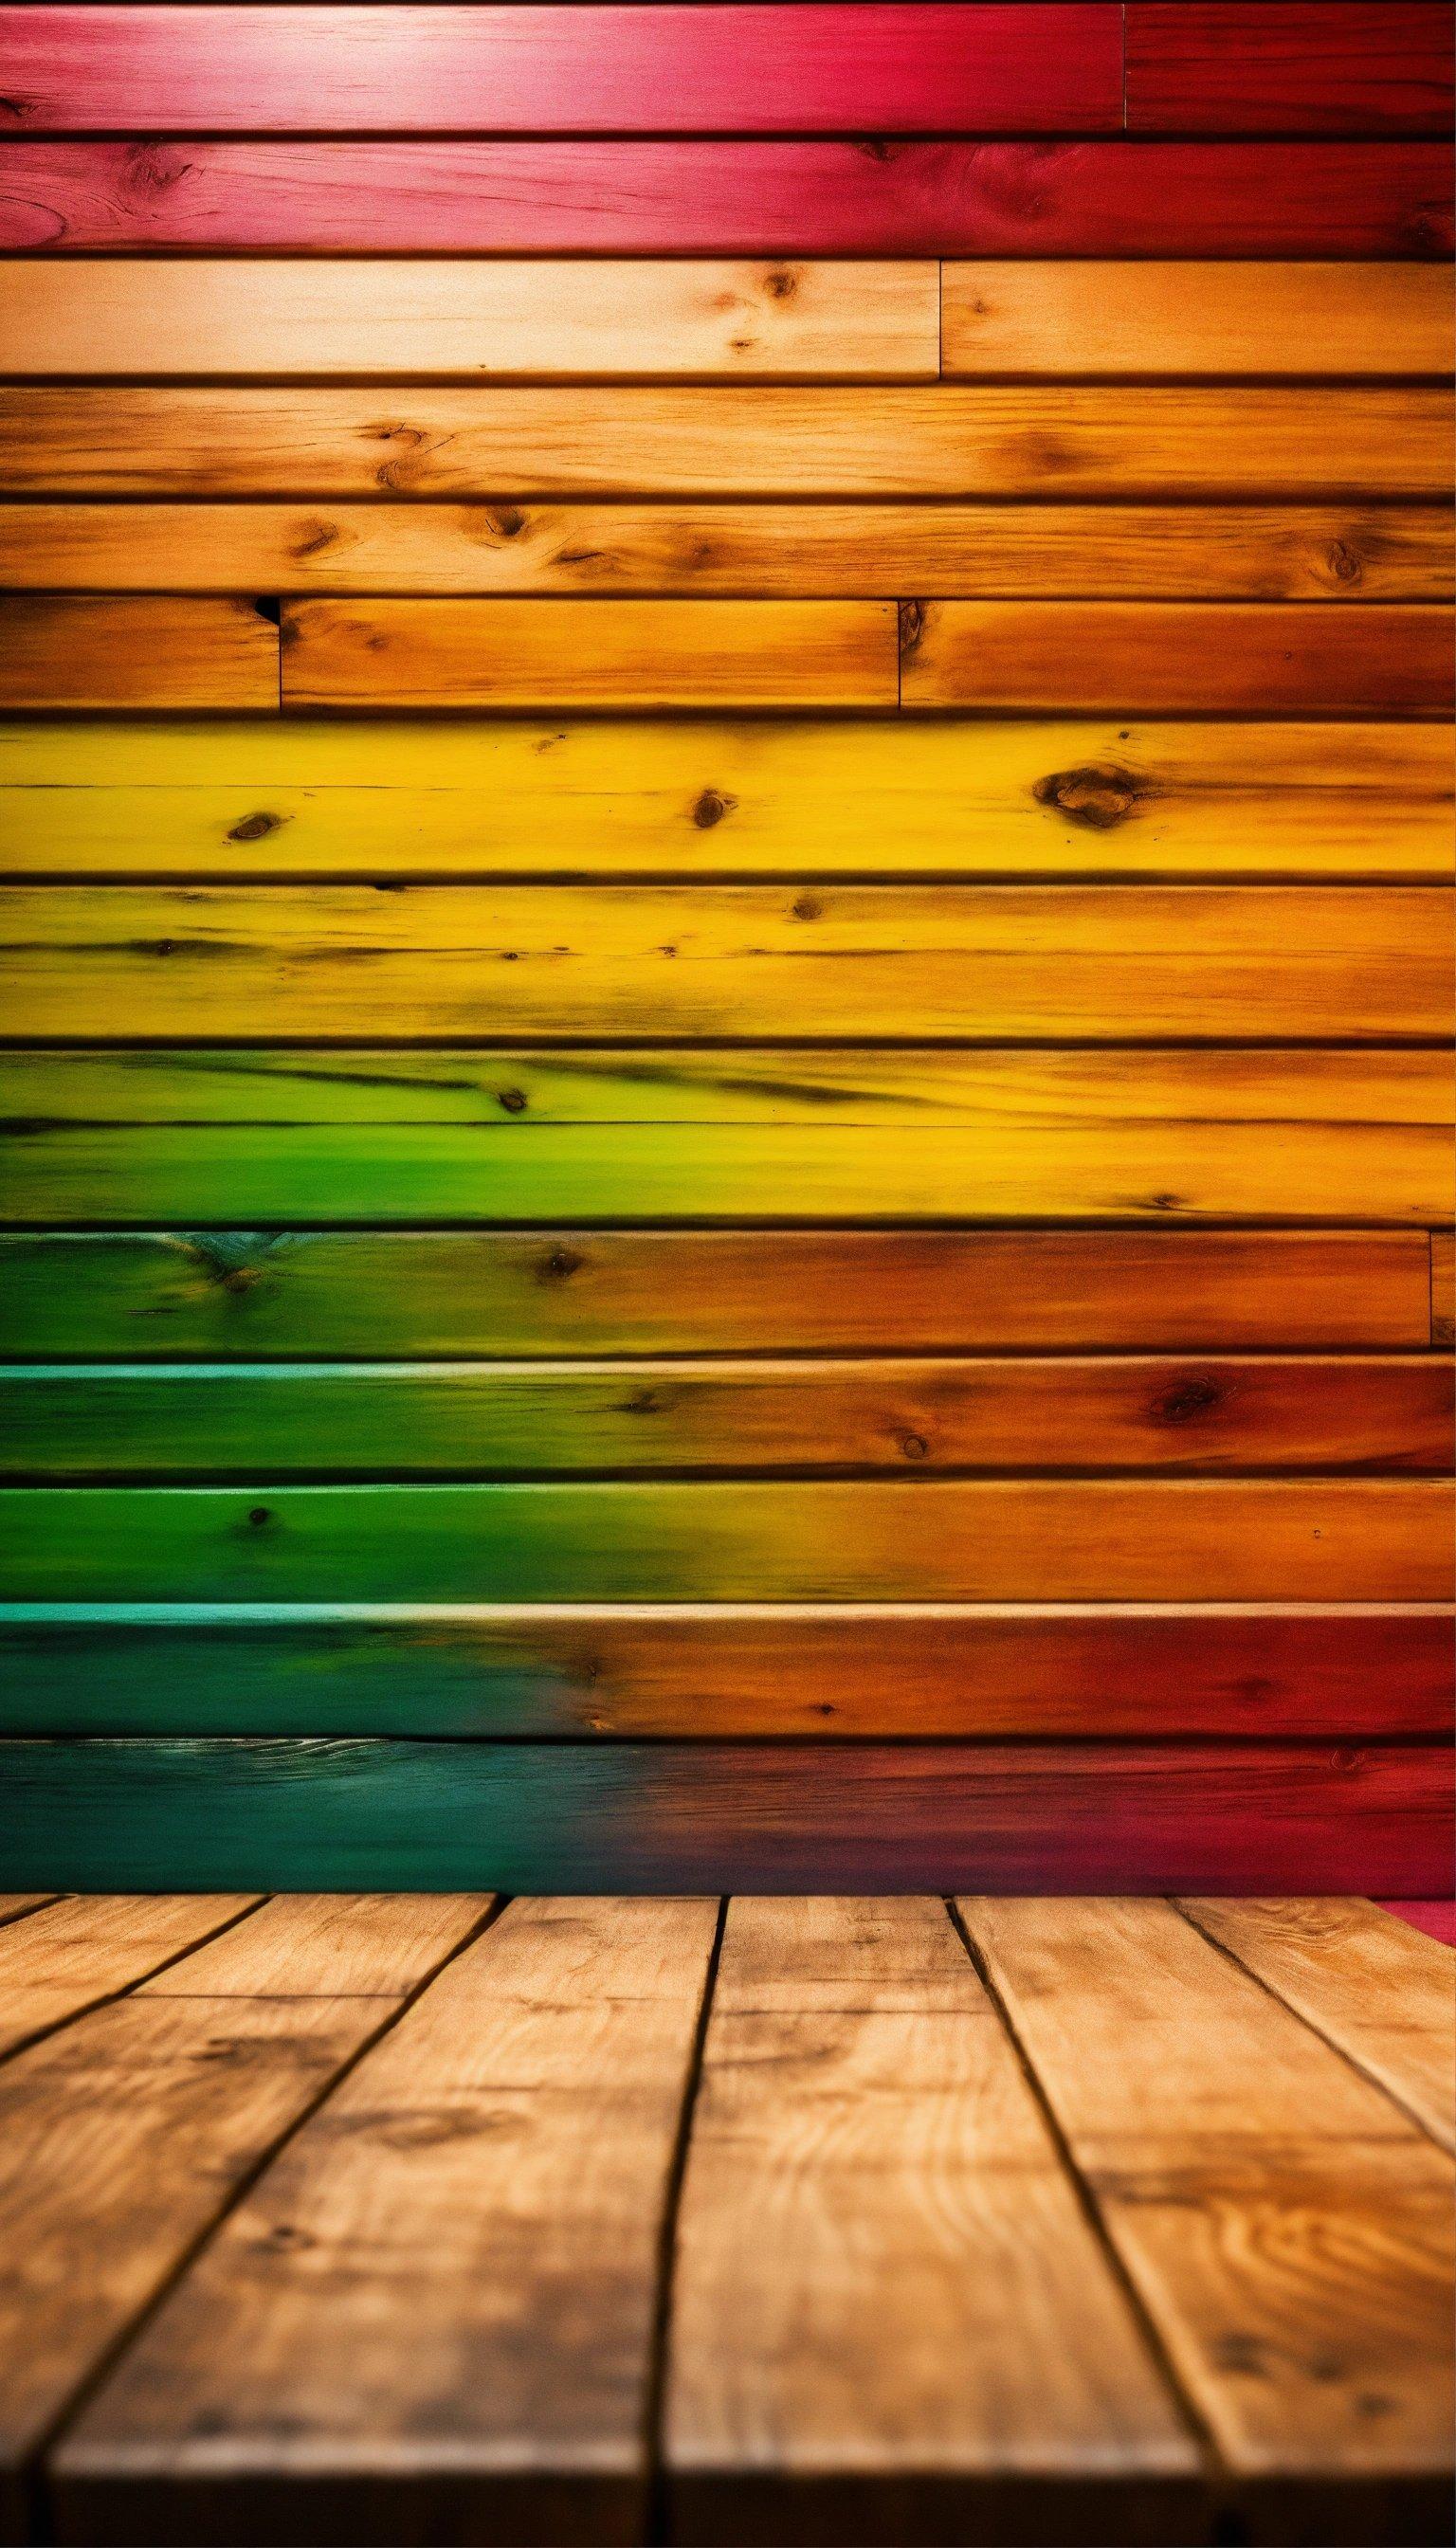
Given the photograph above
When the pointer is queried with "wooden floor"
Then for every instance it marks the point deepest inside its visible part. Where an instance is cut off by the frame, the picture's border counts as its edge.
(429, 2219)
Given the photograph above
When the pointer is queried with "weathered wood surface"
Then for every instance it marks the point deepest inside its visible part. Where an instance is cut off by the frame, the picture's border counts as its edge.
(1109, 965)
(1034, 439)
(143, 651)
(516, 2132)
(590, 654)
(253, 1295)
(923, 2302)
(1267, 553)
(470, 320)
(1378, 1991)
(730, 1671)
(1286, 2225)
(698, 1817)
(1099, 316)
(1275, 657)
(75, 1955)
(1017, 67)
(270, 1137)
(129, 2131)
(1101, 1539)
(222, 1420)
(801, 199)
(1295, 66)
(704, 798)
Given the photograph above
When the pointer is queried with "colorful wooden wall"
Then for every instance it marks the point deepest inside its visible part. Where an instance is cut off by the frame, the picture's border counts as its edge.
(727, 945)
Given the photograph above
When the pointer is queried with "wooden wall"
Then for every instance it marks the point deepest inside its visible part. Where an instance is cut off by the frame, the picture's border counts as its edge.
(727, 945)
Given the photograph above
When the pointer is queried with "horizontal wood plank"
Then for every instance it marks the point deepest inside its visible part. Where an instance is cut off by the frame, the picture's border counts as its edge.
(216, 1296)
(870, 2362)
(1292, 66)
(217, 1420)
(801, 199)
(262, 1137)
(74, 1955)
(1036, 315)
(1105, 964)
(1252, 2182)
(513, 2305)
(824, 1669)
(128, 2134)
(1044, 1539)
(312, 798)
(1170, 551)
(704, 1817)
(593, 654)
(138, 653)
(468, 320)
(504, 443)
(1371, 1986)
(1222, 658)
(1017, 67)
(1443, 1287)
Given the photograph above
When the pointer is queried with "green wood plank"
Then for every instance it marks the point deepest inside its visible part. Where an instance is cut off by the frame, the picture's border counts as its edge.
(554, 1818)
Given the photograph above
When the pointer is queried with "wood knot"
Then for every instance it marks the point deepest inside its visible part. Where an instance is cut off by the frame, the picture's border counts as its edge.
(256, 827)
(513, 1100)
(808, 907)
(1096, 798)
(312, 539)
(710, 808)
(780, 283)
(507, 521)
(1343, 563)
(259, 1517)
(560, 1264)
(913, 616)
(914, 1446)
(1187, 1400)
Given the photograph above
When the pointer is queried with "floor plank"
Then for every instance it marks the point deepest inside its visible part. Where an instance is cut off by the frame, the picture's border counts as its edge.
(434, 2316)
(126, 2135)
(1287, 2227)
(921, 2337)
(66, 1958)
(1380, 1990)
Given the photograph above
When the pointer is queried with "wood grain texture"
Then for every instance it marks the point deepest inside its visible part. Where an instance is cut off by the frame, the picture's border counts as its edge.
(695, 800)
(1100, 1539)
(468, 320)
(1378, 1991)
(75, 1955)
(260, 1136)
(755, 1818)
(129, 2132)
(1295, 66)
(588, 653)
(220, 1420)
(516, 2133)
(985, 962)
(1095, 317)
(922, 2302)
(323, 1945)
(1017, 67)
(256, 1295)
(1220, 658)
(1176, 2079)
(1443, 1287)
(826, 1670)
(139, 652)
(514, 443)
(1298, 553)
(801, 199)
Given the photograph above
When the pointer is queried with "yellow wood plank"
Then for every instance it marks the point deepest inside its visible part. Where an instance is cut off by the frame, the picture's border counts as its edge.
(1307, 553)
(957, 797)
(919, 2308)
(1376, 1987)
(1105, 317)
(517, 2133)
(470, 318)
(590, 654)
(945, 439)
(1102, 964)
(152, 653)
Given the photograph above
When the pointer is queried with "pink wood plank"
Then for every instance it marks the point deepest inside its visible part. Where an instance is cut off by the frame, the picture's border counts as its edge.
(1046, 66)
(1288, 66)
(1230, 199)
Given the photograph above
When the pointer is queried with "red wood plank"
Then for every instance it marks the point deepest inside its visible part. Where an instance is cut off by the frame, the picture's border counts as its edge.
(1035, 66)
(1229, 199)
(1288, 66)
